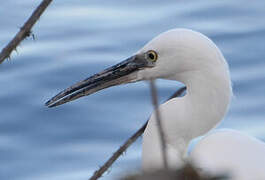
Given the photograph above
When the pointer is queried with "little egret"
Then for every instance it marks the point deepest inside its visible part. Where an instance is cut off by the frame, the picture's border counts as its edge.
(193, 59)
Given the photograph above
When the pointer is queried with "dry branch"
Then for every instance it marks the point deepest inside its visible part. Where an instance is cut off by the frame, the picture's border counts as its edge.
(98, 173)
(25, 30)
(178, 93)
(187, 172)
(159, 123)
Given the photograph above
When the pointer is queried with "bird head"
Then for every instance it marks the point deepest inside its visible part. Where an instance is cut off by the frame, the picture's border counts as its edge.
(167, 56)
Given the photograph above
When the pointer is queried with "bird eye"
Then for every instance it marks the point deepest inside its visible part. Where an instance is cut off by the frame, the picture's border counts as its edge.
(152, 55)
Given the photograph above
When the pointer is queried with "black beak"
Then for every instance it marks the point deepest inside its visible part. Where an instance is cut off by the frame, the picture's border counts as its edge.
(121, 73)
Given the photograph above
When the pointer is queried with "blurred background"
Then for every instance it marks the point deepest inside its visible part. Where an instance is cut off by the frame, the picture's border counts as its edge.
(75, 39)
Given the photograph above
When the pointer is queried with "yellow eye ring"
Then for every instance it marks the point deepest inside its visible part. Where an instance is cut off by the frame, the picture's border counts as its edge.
(152, 55)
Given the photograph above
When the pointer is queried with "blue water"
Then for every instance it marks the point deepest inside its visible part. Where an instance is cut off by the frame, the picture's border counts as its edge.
(75, 39)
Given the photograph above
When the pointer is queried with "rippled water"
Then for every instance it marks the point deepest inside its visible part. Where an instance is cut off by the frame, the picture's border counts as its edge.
(75, 39)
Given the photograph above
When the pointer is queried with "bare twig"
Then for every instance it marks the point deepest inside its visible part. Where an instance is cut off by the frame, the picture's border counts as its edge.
(25, 30)
(178, 93)
(159, 124)
(187, 172)
(98, 173)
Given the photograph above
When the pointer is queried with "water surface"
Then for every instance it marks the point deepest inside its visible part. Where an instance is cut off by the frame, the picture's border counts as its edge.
(75, 39)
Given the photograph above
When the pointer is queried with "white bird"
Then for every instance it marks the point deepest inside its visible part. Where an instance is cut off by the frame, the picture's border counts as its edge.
(193, 59)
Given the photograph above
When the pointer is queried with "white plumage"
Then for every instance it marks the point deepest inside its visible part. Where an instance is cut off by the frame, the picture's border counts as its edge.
(193, 59)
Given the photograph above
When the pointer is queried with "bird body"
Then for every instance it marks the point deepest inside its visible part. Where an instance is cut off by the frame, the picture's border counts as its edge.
(193, 59)
(203, 69)
(230, 152)
(201, 109)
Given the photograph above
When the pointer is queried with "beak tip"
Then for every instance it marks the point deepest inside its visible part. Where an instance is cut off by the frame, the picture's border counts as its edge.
(52, 103)
(49, 104)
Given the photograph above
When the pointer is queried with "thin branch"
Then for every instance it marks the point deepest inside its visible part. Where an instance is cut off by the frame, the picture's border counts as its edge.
(25, 30)
(178, 93)
(159, 123)
(98, 173)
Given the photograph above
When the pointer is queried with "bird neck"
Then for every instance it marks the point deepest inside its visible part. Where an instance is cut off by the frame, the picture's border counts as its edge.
(205, 104)
(201, 109)
(207, 99)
